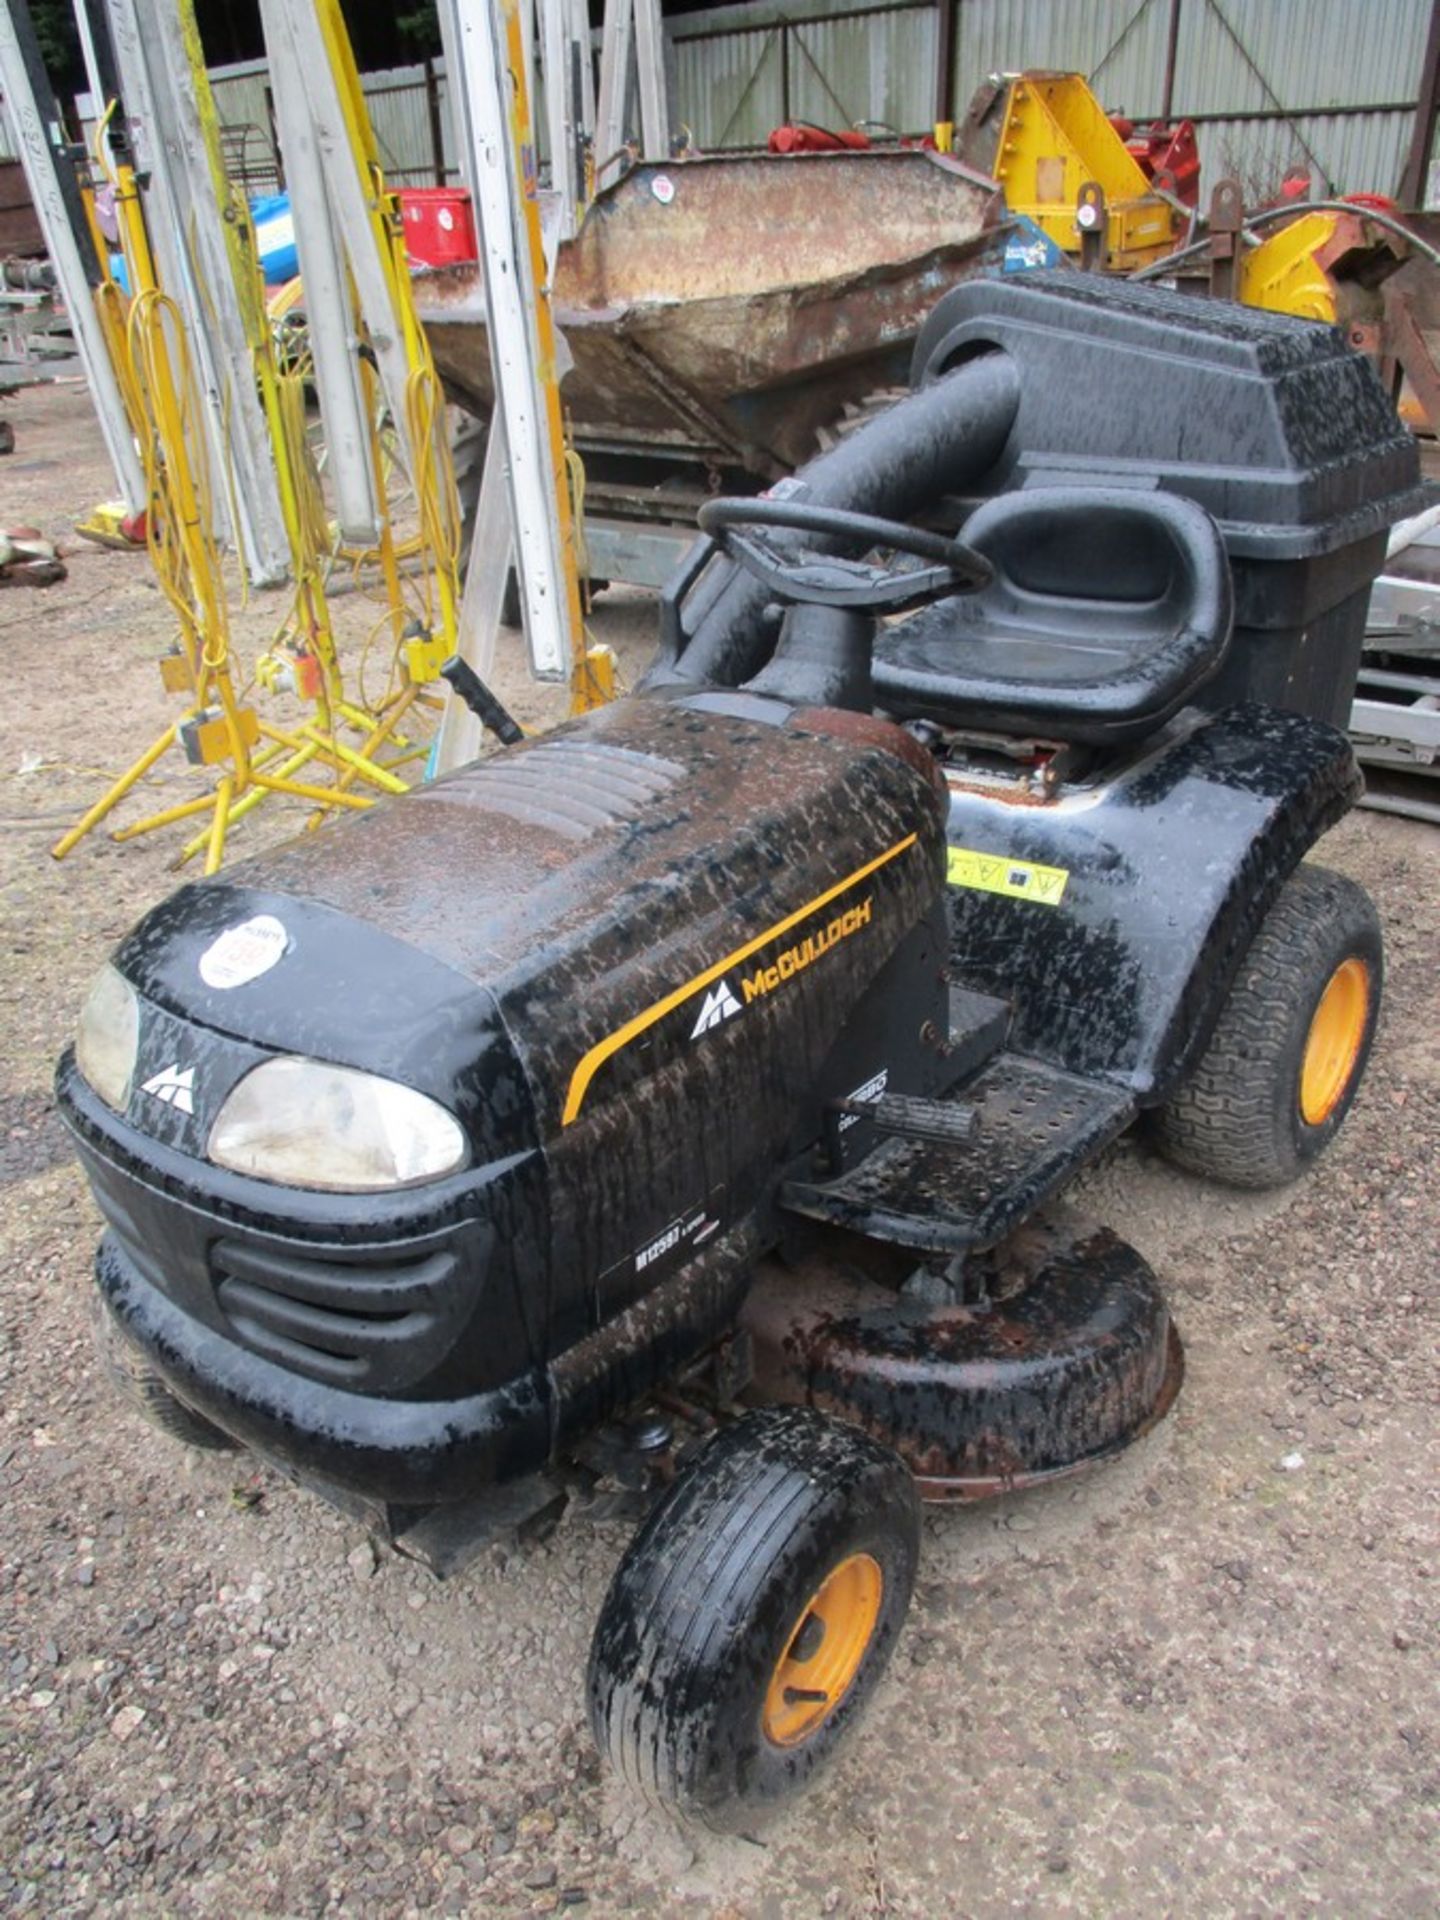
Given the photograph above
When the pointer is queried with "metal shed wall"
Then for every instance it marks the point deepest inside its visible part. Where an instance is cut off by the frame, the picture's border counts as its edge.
(1328, 83)
(399, 113)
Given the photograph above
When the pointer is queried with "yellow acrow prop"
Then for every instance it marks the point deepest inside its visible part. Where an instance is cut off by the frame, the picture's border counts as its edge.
(586, 685)
(159, 383)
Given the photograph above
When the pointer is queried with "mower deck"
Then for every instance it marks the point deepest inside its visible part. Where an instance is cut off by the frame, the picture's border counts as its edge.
(1063, 1356)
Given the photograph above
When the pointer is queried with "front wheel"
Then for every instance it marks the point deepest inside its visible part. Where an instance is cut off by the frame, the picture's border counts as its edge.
(752, 1616)
(1289, 1050)
(137, 1382)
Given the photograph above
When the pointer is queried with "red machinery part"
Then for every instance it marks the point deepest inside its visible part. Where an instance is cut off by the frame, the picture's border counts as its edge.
(439, 226)
(1167, 155)
(800, 137)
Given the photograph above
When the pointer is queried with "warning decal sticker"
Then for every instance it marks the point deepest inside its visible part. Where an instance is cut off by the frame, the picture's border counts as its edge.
(995, 873)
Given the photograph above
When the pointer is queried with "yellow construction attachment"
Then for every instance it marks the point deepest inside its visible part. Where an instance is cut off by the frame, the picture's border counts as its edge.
(1056, 139)
(1287, 273)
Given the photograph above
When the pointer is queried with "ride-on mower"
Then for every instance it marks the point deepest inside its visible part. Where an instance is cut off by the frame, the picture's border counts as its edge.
(671, 1110)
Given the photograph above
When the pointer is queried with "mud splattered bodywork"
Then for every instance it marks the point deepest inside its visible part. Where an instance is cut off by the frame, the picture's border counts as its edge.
(627, 958)
(740, 975)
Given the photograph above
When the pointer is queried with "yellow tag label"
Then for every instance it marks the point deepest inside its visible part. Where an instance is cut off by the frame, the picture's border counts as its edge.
(175, 674)
(424, 658)
(995, 873)
(207, 742)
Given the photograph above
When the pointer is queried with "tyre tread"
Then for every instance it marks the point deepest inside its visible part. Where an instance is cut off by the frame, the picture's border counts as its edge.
(1226, 1120)
(682, 1587)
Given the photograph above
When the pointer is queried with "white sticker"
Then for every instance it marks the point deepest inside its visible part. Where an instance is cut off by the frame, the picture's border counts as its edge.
(243, 953)
(663, 188)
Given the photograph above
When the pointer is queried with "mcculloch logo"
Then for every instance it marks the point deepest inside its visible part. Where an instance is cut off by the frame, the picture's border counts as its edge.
(795, 959)
(720, 1004)
(175, 1088)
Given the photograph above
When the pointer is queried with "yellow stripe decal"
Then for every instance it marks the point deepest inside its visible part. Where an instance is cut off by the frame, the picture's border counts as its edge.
(622, 1036)
(997, 873)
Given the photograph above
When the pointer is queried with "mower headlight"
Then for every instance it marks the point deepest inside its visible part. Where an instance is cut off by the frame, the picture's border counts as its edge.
(108, 1037)
(305, 1124)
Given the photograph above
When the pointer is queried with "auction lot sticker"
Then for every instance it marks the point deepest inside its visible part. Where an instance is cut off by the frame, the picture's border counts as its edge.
(243, 953)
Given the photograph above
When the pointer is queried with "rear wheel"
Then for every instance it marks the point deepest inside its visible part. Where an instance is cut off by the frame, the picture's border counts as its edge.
(753, 1615)
(138, 1382)
(1289, 1051)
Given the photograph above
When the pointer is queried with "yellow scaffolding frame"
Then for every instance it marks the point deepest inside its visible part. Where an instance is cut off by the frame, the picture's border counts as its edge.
(160, 382)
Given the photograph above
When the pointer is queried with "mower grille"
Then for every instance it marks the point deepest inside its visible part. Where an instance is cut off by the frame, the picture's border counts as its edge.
(370, 1328)
(573, 788)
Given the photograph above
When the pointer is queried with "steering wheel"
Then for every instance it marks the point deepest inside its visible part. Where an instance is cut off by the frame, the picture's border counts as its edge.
(825, 580)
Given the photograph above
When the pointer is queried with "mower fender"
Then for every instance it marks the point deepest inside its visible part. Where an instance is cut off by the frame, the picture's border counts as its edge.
(1124, 910)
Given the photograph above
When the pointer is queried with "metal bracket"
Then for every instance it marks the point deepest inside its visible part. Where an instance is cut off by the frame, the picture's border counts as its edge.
(1093, 219)
(1227, 221)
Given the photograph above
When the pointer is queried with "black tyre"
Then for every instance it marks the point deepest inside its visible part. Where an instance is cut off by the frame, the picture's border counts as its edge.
(753, 1614)
(132, 1375)
(1289, 1051)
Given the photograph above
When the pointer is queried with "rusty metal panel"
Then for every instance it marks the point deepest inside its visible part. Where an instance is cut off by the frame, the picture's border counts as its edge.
(19, 225)
(874, 66)
(691, 311)
(728, 89)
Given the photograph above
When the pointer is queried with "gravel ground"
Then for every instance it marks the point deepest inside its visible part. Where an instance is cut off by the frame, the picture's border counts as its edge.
(1201, 1682)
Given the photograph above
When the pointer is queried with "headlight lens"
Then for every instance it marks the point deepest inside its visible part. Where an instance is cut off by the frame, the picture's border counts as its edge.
(305, 1124)
(108, 1037)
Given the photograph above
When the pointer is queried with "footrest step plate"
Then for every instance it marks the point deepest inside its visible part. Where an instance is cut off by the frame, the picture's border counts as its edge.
(1033, 1127)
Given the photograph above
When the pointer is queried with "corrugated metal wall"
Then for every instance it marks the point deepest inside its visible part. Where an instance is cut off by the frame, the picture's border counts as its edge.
(1248, 69)
(1235, 58)
(1118, 44)
(728, 85)
(878, 67)
(399, 113)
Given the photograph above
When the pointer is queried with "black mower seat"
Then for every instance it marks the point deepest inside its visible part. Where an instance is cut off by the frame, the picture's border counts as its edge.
(1108, 610)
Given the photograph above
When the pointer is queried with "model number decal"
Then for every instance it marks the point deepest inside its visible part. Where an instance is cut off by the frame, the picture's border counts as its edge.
(692, 1230)
(868, 1091)
(685, 1236)
(994, 873)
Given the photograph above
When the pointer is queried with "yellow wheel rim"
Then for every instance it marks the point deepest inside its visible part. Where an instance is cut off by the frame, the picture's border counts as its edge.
(823, 1651)
(1333, 1043)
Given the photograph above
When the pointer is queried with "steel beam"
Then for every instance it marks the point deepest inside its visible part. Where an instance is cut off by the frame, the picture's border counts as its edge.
(492, 554)
(654, 87)
(184, 220)
(1411, 190)
(616, 46)
(485, 57)
(329, 307)
(293, 34)
(35, 124)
